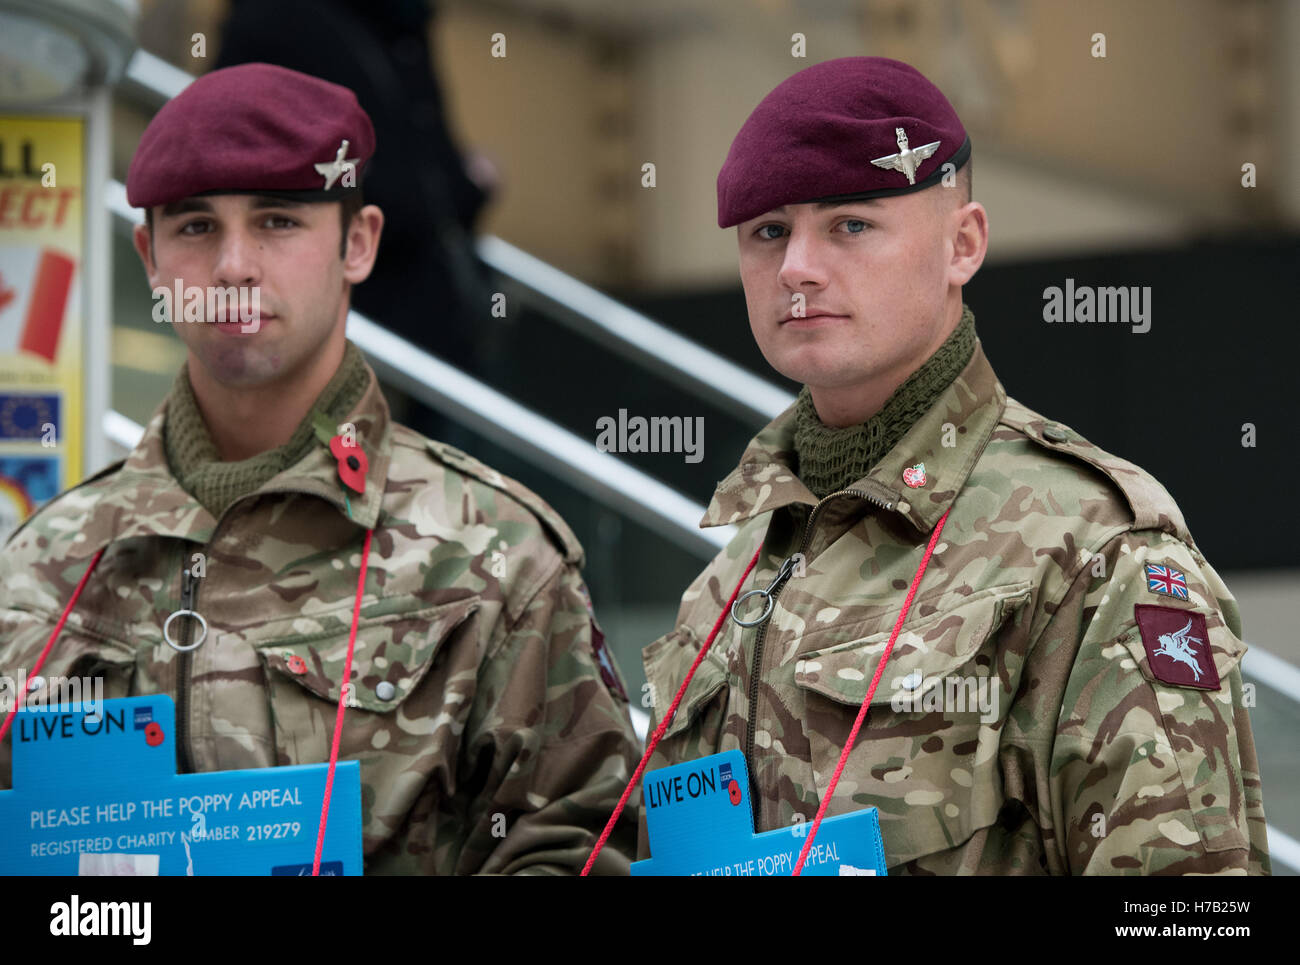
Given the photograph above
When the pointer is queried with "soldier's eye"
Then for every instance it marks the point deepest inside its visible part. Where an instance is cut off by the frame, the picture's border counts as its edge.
(762, 231)
(279, 221)
(185, 228)
(854, 226)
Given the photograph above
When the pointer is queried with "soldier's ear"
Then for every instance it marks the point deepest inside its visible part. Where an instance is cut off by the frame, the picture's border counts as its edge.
(970, 242)
(361, 243)
(142, 241)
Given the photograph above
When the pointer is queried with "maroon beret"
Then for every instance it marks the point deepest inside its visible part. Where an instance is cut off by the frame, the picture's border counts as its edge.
(253, 128)
(842, 130)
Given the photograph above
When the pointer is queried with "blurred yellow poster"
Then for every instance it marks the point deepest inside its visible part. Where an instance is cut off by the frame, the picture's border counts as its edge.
(41, 239)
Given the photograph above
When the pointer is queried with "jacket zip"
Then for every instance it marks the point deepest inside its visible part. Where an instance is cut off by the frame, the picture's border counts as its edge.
(773, 590)
(189, 595)
(189, 590)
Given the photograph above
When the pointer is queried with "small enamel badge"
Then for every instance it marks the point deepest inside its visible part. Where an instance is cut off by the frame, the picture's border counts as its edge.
(1166, 580)
(908, 159)
(914, 476)
(353, 464)
(1177, 643)
(295, 664)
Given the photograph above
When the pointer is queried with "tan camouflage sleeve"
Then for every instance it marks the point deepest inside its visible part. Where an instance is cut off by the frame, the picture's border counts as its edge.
(1153, 766)
(549, 744)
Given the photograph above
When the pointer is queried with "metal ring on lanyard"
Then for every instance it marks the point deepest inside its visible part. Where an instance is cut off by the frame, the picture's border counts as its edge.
(787, 567)
(767, 610)
(203, 630)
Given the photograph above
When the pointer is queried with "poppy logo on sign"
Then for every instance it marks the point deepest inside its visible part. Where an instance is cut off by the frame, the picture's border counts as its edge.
(730, 783)
(153, 732)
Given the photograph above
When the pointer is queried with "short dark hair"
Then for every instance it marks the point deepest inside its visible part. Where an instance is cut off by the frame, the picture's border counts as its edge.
(349, 205)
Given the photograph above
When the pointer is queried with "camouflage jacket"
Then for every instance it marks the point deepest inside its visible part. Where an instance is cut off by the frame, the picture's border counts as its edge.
(1020, 726)
(490, 737)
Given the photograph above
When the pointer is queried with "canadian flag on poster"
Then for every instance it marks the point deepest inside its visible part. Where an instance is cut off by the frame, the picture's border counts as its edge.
(35, 286)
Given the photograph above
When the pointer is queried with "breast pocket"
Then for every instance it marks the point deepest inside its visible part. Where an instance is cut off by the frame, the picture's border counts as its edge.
(696, 728)
(391, 712)
(927, 755)
(88, 661)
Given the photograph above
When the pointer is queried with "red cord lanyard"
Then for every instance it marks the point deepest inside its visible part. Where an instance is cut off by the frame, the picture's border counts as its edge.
(344, 685)
(848, 745)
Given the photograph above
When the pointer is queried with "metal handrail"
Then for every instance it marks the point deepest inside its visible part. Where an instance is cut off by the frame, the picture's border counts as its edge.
(551, 446)
(637, 337)
(154, 76)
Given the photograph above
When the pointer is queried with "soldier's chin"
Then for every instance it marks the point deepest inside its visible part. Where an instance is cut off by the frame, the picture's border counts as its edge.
(816, 366)
(240, 363)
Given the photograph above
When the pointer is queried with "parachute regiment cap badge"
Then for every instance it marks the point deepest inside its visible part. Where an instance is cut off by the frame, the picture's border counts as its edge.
(908, 159)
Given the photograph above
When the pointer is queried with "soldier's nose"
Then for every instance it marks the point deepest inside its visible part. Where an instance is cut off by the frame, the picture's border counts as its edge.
(802, 267)
(237, 261)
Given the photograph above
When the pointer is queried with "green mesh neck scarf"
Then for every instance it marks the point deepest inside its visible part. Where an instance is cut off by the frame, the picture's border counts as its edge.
(194, 460)
(831, 459)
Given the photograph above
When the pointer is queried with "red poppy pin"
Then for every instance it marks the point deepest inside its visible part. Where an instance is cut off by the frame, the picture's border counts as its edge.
(296, 664)
(353, 464)
(914, 476)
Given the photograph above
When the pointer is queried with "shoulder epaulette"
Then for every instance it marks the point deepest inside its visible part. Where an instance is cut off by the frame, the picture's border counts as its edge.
(555, 526)
(108, 470)
(1150, 502)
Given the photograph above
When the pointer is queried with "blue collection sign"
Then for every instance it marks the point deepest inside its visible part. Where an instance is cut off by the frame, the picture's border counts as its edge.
(98, 793)
(699, 822)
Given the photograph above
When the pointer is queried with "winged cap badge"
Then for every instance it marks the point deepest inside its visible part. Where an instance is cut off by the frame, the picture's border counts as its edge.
(908, 159)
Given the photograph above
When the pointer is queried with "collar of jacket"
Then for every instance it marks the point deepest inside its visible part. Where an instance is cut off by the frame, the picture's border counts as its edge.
(146, 499)
(973, 404)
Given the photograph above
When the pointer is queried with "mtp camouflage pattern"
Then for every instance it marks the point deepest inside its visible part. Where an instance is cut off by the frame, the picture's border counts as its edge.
(1080, 760)
(495, 743)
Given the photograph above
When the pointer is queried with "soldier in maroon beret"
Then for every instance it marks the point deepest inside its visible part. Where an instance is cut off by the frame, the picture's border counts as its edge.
(308, 579)
(850, 186)
(948, 607)
(250, 160)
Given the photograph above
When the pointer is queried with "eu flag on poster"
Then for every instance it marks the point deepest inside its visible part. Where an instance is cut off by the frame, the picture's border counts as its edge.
(24, 415)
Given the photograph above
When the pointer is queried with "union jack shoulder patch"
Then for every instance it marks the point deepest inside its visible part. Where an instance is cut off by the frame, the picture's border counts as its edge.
(1166, 580)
